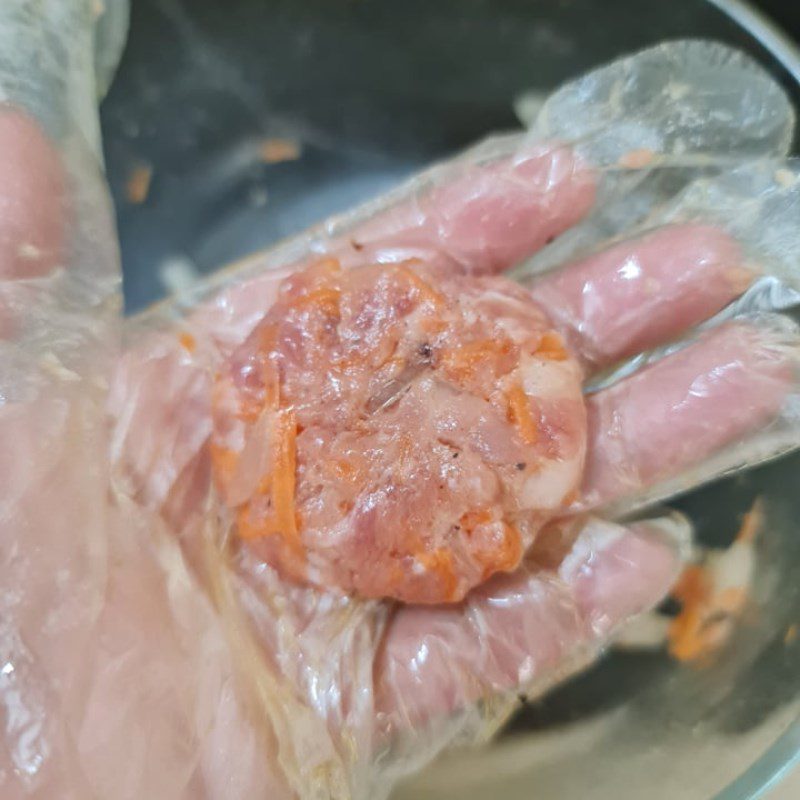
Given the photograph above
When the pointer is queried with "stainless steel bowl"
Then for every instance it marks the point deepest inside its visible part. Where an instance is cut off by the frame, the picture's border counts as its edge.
(373, 90)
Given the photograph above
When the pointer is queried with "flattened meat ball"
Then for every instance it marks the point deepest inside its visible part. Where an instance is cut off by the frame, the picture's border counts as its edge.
(398, 430)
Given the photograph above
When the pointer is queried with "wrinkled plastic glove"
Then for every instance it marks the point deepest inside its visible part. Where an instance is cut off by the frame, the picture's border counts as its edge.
(147, 653)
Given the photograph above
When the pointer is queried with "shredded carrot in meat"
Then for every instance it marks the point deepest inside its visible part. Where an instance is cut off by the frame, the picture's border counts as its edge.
(425, 291)
(571, 497)
(264, 485)
(462, 362)
(344, 506)
(283, 475)
(187, 342)
(551, 347)
(281, 484)
(396, 575)
(510, 554)
(387, 353)
(325, 272)
(519, 413)
(272, 384)
(471, 519)
(393, 363)
(224, 461)
(267, 337)
(327, 300)
(501, 558)
(246, 529)
(432, 325)
(329, 265)
(440, 561)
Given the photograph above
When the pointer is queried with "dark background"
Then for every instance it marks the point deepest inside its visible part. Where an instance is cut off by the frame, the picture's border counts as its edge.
(373, 89)
(785, 12)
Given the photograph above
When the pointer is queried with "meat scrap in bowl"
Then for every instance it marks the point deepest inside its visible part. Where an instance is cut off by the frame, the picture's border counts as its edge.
(398, 430)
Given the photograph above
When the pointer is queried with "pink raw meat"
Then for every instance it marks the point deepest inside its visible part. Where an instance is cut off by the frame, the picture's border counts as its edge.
(398, 430)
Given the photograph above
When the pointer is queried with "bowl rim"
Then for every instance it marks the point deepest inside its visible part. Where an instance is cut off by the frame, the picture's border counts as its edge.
(783, 755)
(765, 31)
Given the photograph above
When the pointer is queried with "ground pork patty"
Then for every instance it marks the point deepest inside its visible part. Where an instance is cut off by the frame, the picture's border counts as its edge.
(397, 430)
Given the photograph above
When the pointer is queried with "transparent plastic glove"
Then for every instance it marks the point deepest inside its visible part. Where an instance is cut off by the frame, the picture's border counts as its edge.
(146, 653)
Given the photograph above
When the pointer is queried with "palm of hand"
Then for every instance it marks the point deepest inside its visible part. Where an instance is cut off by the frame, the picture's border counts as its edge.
(184, 624)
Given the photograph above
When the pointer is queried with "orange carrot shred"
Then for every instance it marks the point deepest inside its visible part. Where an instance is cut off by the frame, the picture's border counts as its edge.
(327, 300)
(281, 484)
(396, 575)
(510, 554)
(187, 342)
(224, 460)
(471, 519)
(519, 412)
(551, 347)
(137, 186)
(462, 362)
(331, 266)
(432, 325)
(245, 528)
(267, 337)
(503, 557)
(283, 476)
(424, 289)
(264, 485)
(693, 586)
(693, 590)
(274, 151)
(709, 611)
(272, 384)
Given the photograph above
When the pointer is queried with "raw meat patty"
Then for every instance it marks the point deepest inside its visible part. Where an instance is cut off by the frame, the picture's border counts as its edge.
(398, 430)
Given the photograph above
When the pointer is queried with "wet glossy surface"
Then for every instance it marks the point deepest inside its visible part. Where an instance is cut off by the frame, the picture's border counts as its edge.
(435, 419)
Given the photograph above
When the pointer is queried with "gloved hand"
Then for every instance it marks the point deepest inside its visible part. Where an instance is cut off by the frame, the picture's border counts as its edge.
(146, 651)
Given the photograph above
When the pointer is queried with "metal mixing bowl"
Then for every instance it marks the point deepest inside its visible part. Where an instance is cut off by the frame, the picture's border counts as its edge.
(373, 90)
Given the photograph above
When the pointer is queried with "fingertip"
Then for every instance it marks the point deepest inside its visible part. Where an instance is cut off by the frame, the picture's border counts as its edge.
(485, 216)
(32, 198)
(627, 574)
(644, 291)
(687, 407)
(500, 214)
